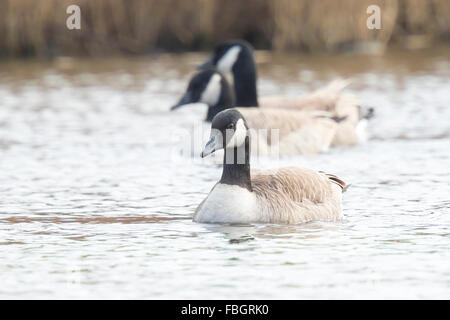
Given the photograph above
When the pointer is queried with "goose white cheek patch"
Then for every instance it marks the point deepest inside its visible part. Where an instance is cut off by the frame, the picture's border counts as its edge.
(211, 94)
(239, 135)
(228, 59)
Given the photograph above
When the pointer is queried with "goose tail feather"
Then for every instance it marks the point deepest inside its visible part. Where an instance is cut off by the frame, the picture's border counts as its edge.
(338, 181)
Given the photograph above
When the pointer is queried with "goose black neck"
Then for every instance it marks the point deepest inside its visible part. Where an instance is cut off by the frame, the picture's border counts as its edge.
(236, 166)
(244, 76)
(226, 100)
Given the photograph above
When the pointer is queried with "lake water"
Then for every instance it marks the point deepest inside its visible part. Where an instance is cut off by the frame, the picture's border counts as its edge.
(96, 202)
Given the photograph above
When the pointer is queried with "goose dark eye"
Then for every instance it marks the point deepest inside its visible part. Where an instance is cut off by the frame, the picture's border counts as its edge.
(230, 126)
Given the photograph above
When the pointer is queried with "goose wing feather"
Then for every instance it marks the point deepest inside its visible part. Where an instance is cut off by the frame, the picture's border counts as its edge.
(298, 131)
(293, 195)
(322, 99)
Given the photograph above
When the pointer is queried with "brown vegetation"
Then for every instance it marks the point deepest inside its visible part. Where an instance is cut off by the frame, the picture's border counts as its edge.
(30, 27)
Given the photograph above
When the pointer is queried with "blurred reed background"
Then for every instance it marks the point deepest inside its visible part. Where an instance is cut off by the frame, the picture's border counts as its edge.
(38, 28)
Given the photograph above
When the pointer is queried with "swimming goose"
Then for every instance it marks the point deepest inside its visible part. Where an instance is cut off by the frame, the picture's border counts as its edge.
(285, 195)
(237, 57)
(299, 132)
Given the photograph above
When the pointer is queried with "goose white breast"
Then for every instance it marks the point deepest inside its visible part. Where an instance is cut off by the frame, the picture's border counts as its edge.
(228, 204)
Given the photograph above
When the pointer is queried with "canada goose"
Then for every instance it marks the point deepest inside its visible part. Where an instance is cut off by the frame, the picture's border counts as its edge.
(285, 195)
(299, 132)
(237, 57)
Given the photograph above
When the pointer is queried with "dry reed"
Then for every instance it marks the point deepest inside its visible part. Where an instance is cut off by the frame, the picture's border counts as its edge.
(30, 27)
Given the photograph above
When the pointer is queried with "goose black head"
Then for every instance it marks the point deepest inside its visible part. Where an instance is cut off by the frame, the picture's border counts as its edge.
(237, 57)
(229, 130)
(227, 55)
(209, 87)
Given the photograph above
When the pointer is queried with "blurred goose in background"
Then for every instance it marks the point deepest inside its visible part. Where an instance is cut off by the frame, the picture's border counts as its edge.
(285, 195)
(299, 132)
(237, 57)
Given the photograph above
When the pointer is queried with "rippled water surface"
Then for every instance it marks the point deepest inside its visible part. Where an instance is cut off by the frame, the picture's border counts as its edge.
(96, 200)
